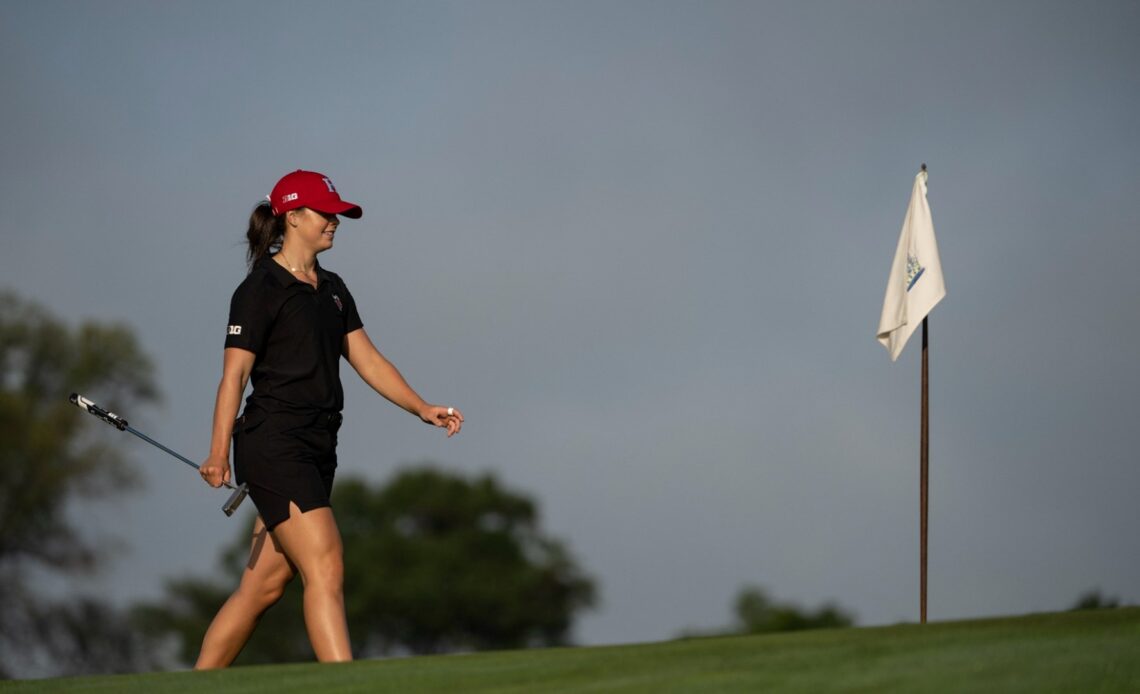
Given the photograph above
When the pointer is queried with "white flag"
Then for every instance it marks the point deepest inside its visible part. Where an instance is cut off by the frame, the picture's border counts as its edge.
(915, 285)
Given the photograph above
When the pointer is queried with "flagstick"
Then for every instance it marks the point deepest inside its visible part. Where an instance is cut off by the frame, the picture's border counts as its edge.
(924, 473)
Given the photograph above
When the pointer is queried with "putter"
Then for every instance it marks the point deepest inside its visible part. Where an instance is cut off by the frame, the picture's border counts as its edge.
(121, 424)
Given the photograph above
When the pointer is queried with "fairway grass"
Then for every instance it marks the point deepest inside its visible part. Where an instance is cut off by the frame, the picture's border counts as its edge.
(1090, 651)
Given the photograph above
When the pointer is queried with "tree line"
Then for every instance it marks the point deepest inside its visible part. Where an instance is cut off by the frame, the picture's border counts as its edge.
(434, 561)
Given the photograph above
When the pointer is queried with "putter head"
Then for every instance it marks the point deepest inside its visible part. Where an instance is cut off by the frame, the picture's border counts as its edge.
(235, 500)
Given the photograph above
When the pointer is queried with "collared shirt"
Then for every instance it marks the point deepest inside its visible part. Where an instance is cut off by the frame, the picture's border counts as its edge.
(297, 332)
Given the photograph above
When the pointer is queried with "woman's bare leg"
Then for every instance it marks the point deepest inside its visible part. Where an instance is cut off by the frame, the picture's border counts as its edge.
(312, 542)
(262, 584)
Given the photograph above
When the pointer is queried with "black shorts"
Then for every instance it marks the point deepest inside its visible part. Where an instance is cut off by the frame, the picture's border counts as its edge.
(285, 458)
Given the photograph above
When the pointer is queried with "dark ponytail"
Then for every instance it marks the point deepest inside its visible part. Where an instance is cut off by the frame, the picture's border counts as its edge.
(266, 231)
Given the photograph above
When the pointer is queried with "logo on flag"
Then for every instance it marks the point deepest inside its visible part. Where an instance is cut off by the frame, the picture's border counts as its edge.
(913, 271)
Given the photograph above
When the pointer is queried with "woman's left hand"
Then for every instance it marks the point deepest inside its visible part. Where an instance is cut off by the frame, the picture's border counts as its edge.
(449, 418)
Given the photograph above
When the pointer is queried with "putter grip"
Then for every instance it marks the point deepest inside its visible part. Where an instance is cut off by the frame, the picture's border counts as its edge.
(108, 417)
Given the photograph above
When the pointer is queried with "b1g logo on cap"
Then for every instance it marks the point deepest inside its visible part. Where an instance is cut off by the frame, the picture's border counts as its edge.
(289, 198)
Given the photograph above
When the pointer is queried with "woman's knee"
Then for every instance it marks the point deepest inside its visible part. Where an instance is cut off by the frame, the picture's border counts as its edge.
(266, 590)
(326, 570)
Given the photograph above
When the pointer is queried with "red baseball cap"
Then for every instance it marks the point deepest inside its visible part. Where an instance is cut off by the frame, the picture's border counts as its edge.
(313, 190)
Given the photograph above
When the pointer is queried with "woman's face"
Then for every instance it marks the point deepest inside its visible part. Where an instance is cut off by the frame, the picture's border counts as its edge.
(313, 229)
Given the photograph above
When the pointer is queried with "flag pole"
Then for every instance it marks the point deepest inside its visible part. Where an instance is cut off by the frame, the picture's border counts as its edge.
(924, 470)
(924, 473)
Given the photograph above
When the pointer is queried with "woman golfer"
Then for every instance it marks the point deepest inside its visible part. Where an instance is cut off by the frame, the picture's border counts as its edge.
(291, 321)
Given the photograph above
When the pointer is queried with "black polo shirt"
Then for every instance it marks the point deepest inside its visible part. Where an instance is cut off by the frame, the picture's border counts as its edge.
(297, 333)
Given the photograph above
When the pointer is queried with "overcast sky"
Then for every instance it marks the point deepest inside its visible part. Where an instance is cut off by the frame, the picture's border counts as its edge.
(643, 246)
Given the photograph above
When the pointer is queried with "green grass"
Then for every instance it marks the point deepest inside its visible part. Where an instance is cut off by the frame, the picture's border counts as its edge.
(1091, 651)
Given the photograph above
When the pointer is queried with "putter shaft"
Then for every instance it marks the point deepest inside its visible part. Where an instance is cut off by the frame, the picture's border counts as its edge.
(121, 424)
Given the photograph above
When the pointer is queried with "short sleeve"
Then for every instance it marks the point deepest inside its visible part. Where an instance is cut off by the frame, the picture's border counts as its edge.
(250, 318)
(351, 316)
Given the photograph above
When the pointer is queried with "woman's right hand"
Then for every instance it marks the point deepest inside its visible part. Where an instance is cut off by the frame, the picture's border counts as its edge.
(215, 470)
(236, 367)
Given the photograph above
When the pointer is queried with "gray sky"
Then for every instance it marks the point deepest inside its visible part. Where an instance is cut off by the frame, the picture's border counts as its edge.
(644, 246)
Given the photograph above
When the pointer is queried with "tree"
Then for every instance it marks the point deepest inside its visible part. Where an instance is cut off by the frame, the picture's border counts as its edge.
(756, 613)
(49, 456)
(1093, 600)
(434, 562)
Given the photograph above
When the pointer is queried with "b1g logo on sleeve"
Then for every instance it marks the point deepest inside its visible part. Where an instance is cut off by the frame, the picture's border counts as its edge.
(233, 330)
